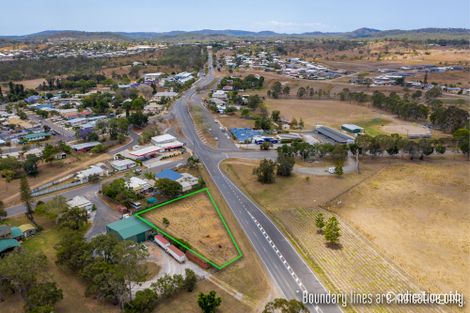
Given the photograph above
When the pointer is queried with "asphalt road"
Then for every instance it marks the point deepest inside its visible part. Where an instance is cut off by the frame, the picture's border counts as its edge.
(285, 265)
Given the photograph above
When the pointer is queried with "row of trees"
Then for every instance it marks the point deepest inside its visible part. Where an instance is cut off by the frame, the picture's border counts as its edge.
(248, 82)
(268, 169)
(447, 118)
(12, 168)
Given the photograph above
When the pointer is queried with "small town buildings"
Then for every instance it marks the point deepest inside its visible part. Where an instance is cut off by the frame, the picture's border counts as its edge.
(152, 77)
(35, 137)
(8, 245)
(186, 180)
(94, 170)
(81, 147)
(220, 94)
(351, 128)
(28, 230)
(169, 174)
(122, 165)
(81, 202)
(165, 138)
(130, 228)
(334, 134)
(138, 184)
(9, 237)
(165, 94)
(145, 152)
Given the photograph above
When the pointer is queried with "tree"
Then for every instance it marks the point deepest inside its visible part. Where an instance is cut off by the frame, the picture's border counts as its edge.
(301, 92)
(263, 123)
(286, 90)
(169, 188)
(285, 163)
(276, 116)
(74, 218)
(339, 169)
(138, 119)
(21, 269)
(166, 222)
(265, 145)
(43, 295)
(265, 171)
(26, 197)
(30, 165)
(48, 153)
(209, 302)
(441, 149)
(462, 136)
(319, 222)
(190, 280)
(73, 251)
(280, 305)
(145, 301)
(332, 231)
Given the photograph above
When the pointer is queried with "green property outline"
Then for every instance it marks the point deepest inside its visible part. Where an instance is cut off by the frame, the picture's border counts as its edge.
(219, 267)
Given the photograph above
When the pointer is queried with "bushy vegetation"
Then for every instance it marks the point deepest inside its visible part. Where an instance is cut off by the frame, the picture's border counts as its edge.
(248, 82)
(118, 191)
(27, 69)
(185, 57)
(109, 266)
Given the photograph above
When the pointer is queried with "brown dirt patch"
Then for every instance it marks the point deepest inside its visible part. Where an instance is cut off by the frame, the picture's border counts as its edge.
(195, 220)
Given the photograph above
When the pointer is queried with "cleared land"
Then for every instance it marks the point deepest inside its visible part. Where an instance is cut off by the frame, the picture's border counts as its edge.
(334, 113)
(418, 215)
(358, 266)
(196, 221)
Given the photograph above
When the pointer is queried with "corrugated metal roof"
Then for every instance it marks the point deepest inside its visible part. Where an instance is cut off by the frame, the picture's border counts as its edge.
(129, 227)
(6, 244)
(170, 174)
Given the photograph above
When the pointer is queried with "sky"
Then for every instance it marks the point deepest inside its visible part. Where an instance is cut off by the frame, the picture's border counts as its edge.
(287, 16)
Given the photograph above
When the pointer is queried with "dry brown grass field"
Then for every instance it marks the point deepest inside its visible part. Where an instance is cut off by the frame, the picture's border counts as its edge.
(418, 214)
(196, 221)
(362, 264)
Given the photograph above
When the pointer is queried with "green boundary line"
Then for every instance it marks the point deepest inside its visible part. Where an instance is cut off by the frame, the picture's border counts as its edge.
(219, 267)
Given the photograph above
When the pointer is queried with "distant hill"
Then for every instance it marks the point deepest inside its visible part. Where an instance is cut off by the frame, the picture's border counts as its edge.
(452, 33)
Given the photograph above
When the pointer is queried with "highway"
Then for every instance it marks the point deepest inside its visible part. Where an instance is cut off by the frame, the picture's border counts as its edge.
(285, 265)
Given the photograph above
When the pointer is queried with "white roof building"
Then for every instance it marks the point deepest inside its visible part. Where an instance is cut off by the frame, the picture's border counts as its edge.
(121, 165)
(80, 202)
(98, 169)
(138, 184)
(187, 181)
(165, 138)
(220, 94)
(151, 77)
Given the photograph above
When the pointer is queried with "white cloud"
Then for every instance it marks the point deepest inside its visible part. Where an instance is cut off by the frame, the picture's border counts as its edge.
(291, 27)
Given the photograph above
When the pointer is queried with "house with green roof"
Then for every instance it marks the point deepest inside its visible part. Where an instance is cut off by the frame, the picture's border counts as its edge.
(130, 228)
(8, 244)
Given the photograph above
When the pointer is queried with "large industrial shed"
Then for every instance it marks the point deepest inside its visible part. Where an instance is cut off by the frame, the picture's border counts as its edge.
(334, 134)
(130, 228)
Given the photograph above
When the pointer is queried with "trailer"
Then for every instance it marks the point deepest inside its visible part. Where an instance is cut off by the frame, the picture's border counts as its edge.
(176, 253)
(161, 241)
